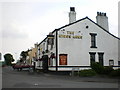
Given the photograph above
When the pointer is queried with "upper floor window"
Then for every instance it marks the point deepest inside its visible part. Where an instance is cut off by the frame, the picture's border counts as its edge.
(50, 41)
(93, 40)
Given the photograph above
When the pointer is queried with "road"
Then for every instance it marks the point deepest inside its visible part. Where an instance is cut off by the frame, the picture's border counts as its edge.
(23, 79)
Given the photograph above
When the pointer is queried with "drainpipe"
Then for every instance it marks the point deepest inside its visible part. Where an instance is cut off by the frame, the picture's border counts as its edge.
(56, 50)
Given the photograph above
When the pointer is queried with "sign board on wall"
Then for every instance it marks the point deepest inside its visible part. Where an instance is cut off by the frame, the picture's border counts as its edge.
(70, 34)
(63, 59)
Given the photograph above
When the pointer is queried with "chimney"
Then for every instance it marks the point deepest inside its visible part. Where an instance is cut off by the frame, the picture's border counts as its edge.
(102, 20)
(72, 15)
(35, 45)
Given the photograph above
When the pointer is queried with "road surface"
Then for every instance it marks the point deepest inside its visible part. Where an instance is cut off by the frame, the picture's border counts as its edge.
(23, 79)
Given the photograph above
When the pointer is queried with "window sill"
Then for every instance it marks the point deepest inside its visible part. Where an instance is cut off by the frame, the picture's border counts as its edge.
(93, 47)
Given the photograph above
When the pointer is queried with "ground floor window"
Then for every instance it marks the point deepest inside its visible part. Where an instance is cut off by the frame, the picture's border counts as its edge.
(101, 58)
(111, 62)
(118, 63)
(92, 57)
(50, 62)
(62, 59)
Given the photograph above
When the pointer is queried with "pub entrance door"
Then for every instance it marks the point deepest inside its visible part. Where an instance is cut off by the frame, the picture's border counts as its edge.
(45, 63)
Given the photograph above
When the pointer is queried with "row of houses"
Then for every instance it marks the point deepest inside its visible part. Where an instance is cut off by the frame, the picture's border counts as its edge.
(76, 45)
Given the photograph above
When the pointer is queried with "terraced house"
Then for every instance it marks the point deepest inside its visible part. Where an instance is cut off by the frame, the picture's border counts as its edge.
(77, 44)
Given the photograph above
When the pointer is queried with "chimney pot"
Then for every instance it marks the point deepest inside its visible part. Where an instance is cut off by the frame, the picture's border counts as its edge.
(98, 13)
(72, 9)
(104, 14)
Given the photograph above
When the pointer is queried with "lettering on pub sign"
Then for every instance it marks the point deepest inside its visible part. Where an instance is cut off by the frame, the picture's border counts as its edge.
(70, 34)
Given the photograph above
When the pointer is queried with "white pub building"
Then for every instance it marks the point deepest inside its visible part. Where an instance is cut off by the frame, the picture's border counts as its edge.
(77, 44)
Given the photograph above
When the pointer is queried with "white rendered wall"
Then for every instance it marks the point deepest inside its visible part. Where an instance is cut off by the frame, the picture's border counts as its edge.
(42, 47)
(78, 49)
(119, 30)
(118, 50)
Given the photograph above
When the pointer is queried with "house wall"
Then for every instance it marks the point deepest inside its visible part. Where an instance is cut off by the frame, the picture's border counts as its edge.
(78, 49)
(32, 54)
(118, 50)
(42, 47)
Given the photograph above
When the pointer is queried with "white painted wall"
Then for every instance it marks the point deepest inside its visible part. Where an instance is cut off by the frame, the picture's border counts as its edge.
(78, 49)
(118, 50)
(43, 47)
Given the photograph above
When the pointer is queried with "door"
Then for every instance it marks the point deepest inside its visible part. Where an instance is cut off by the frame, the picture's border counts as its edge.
(45, 63)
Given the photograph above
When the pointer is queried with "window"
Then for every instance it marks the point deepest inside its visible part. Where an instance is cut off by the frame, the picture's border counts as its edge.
(100, 58)
(92, 57)
(93, 40)
(111, 62)
(44, 45)
(52, 59)
(50, 62)
(50, 41)
(118, 63)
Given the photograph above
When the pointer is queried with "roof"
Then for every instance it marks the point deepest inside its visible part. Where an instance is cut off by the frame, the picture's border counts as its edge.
(91, 21)
(79, 21)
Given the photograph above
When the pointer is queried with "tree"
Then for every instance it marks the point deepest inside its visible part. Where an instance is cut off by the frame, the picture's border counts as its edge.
(24, 54)
(8, 59)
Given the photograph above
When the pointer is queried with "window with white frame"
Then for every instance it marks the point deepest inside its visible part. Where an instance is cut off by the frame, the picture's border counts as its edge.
(93, 40)
(111, 62)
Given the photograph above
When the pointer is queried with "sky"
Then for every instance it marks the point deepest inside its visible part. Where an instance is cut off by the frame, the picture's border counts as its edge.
(26, 22)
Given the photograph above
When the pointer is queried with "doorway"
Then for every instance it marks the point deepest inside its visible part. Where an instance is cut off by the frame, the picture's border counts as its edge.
(45, 63)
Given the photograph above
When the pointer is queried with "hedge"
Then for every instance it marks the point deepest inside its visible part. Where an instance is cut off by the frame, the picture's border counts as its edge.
(88, 72)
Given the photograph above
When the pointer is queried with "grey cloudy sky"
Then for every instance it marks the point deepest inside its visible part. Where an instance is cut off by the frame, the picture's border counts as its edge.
(25, 22)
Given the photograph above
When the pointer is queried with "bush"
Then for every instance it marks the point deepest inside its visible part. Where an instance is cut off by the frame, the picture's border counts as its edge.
(88, 72)
(115, 73)
(101, 69)
(97, 67)
(107, 70)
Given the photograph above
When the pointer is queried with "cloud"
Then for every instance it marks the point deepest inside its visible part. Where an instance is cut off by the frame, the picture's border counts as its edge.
(13, 31)
(24, 23)
(33, 0)
(13, 34)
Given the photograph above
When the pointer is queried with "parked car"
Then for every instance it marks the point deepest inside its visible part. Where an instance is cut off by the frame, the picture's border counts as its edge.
(22, 66)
